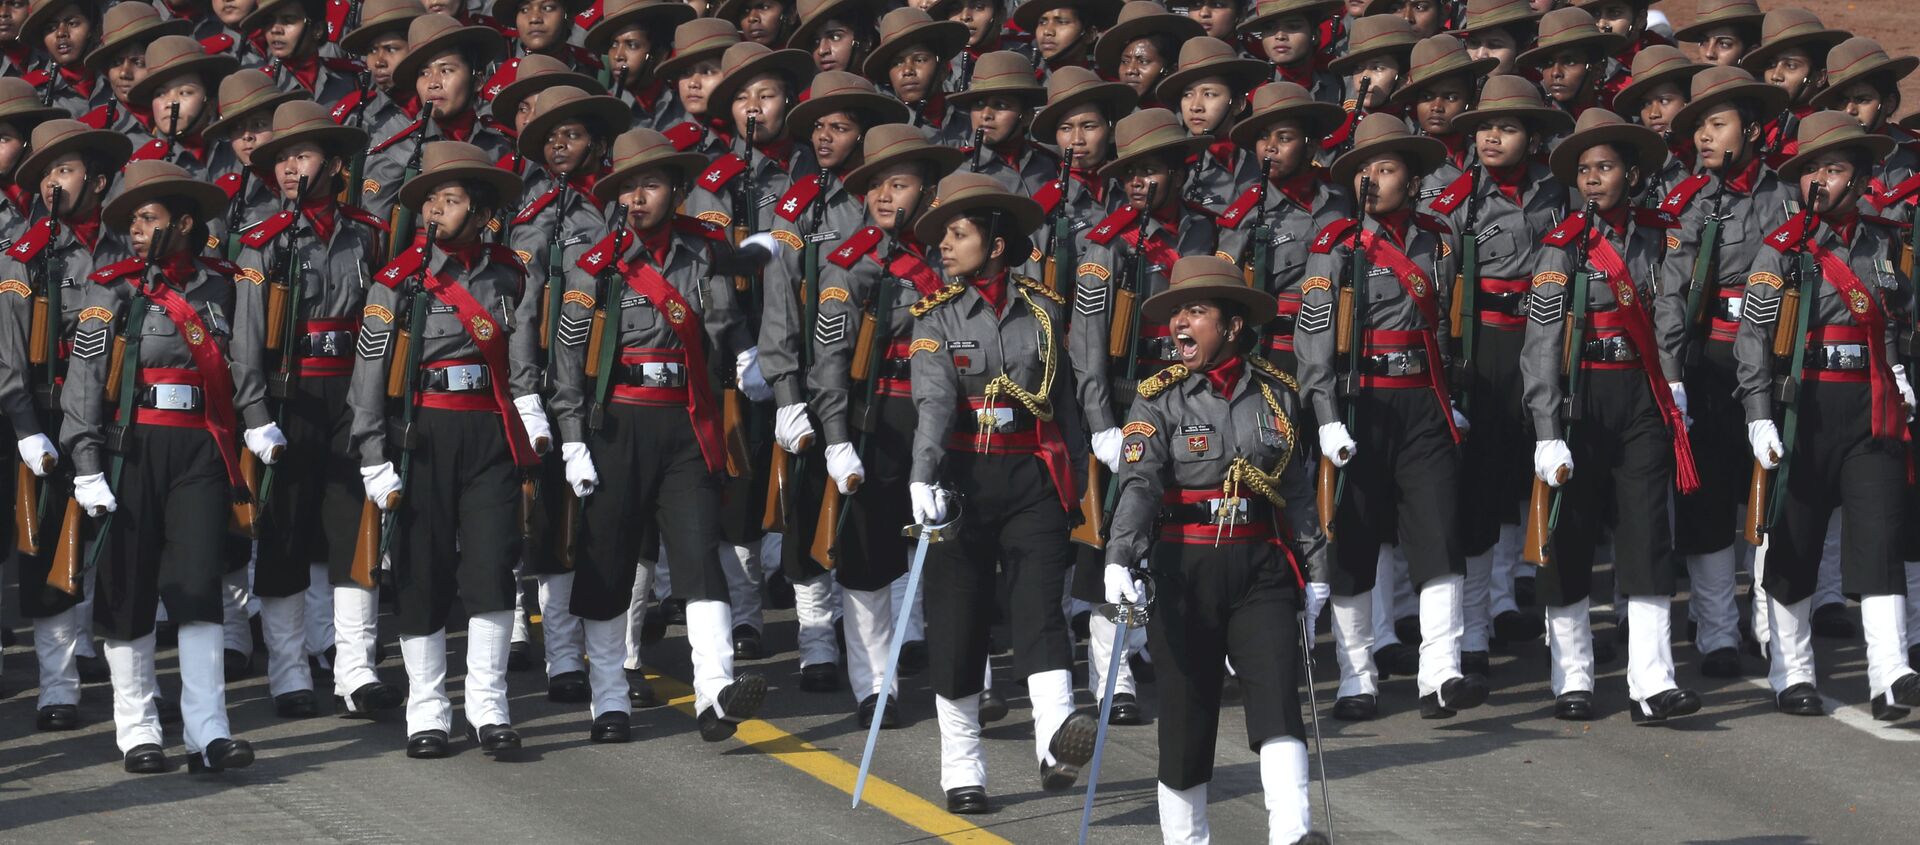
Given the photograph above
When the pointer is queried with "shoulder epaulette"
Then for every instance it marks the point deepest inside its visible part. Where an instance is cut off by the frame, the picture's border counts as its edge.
(1436, 225)
(584, 59)
(1895, 194)
(411, 128)
(1230, 219)
(1654, 218)
(1049, 196)
(344, 109)
(400, 267)
(540, 202)
(604, 252)
(1032, 284)
(1152, 385)
(1113, 225)
(1336, 233)
(856, 247)
(266, 230)
(342, 64)
(722, 171)
(99, 117)
(1787, 236)
(798, 197)
(154, 149)
(363, 216)
(229, 184)
(685, 135)
(1888, 222)
(34, 239)
(500, 126)
(1682, 194)
(219, 265)
(1568, 229)
(504, 255)
(36, 78)
(1263, 365)
(936, 299)
(1454, 194)
(216, 44)
(585, 20)
(118, 270)
(705, 230)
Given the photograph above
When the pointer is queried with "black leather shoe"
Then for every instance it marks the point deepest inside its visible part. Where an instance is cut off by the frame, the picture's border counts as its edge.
(779, 591)
(1905, 693)
(1513, 627)
(1125, 710)
(993, 708)
(239, 665)
(221, 754)
(1665, 705)
(1142, 668)
(58, 717)
(1313, 837)
(1576, 706)
(1475, 663)
(92, 670)
(1721, 663)
(653, 625)
(1356, 708)
(168, 709)
(368, 700)
(427, 745)
(612, 726)
(519, 657)
(1913, 657)
(820, 677)
(746, 643)
(146, 760)
(1407, 630)
(967, 800)
(568, 688)
(740, 700)
(640, 694)
(1800, 700)
(888, 720)
(1396, 659)
(298, 704)
(676, 611)
(494, 739)
(1834, 622)
(913, 658)
(1463, 693)
(1071, 747)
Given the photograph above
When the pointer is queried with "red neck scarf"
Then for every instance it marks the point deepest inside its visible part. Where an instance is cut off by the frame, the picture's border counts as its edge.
(1298, 73)
(78, 79)
(1508, 180)
(466, 255)
(1222, 152)
(177, 268)
(1395, 224)
(305, 70)
(1616, 218)
(1088, 178)
(16, 195)
(1456, 147)
(458, 127)
(87, 231)
(1845, 226)
(195, 143)
(322, 212)
(18, 53)
(1169, 217)
(779, 152)
(933, 109)
(1225, 375)
(648, 95)
(1744, 180)
(1010, 151)
(1300, 187)
(656, 242)
(994, 291)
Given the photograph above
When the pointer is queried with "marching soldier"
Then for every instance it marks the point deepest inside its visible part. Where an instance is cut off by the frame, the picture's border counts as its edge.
(1064, 31)
(181, 407)
(1288, 32)
(1217, 18)
(20, 113)
(293, 32)
(1662, 78)
(647, 415)
(992, 386)
(389, 104)
(1621, 446)
(1792, 55)
(1213, 466)
(66, 31)
(1078, 119)
(1862, 80)
(1208, 92)
(444, 64)
(1724, 30)
(1000, 103)
(1627, 19)
(1734, 186)
(1426, 18)
(1141, 48)
(514, 104)
(1379, 47)
(179, 91)
(126, 30)
(1572, 57)
(838, 34)
(636, 36)
(544, 28)
(1442, 82)
(1398, 396)
(1499, 30)
(692, 68)
(1846, 422)
(768, 23)
(911, 63)
(988, 31)
(247, 103)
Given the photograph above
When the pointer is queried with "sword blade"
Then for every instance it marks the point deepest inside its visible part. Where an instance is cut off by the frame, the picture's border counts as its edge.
(1120, 632)
(1313, 711)
(901, 616)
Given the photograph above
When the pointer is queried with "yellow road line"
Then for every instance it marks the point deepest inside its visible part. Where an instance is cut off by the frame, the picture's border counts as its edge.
(767, 738)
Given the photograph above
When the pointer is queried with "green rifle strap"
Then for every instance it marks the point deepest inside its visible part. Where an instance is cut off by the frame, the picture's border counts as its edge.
(610, 305)
(1805, 282)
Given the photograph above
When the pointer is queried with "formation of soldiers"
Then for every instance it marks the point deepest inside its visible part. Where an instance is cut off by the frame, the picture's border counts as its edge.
(679, 308)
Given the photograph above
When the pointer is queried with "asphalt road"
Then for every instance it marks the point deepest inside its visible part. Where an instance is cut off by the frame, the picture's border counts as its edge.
(1736, 773)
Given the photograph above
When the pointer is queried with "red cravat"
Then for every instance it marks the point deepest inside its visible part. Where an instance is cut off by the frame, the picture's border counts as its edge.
(1225, 375)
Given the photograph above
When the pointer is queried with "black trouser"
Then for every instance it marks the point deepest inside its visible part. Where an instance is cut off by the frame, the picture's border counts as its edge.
(1496, 462)
(743, 500)
(1012, 515)
(313, 510)
(459, 529)
(1707, 520)
(1622, 475)
(871, 553)
(168, 539)
(1213, 602)
(1402, 486)
(651, 473)
(1837, 462)
(800, 499)
(547, 523)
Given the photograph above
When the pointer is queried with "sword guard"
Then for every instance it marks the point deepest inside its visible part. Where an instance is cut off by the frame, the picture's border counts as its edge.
(945, 530)
(1133, 615)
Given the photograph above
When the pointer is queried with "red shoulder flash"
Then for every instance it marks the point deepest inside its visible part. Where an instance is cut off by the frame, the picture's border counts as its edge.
(36, 78)
(1049, 196)
(855, 248)
(1682, 193)
(501, 78)
(411, 128)
(363, 216)
(220, 265)
(534, 208)
(343, 64)
(1230, 219)
(1336, 233)
(798, 197)
(31, 241)
(1787, 235)
(1436, 225)
(96, 119)
(722, 171)
(400, 268)
(118, 269)
(336, 15)
(603, 253)
(699, 228)
(1113, 225)
(1654, 218)
(1455, 194)
(216, 44)
(684, 135)
(347, 104)
(1568, 229)
(154, 149)
(585, 59)
(504, 255)
(1888, 222)
(1897, 194)
(585, 20)
(266, 230)
(228, 184)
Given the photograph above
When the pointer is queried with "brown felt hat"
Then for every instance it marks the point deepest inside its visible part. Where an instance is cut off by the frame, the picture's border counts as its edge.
(55, 138)
(20, 105)
(1380, 134)
(1569, 28)
(1096, 14)
(442, 162)
(505, 10)
(1785, 28)
(960, 193)
(130, 23)
(1204, 56)
(907, 26)
(1375, 35)
(40, 16)
(1642, 146)
(838, 90)
(297, 121)
(618, 16)
(1002, 72)
(695, 41)
(378, 18)
(1856, 59)
(1277, 101)
(170, 57)
(747, 59)
(1652, 66)
(242, 94)
(815, 14)
(1139, 19)
(262, 15)
(562, 103)
(1511, 95)
(1071, 87)
(1740, 14)
(1201, 277)
(1150, 132)
(1717, 85)
(1826, 131)
(1265, 12)
(431, 34)
(1493, 14)
(142, 182)
(536, 73)
(1437, 57)
(639, 149)
(898, 143)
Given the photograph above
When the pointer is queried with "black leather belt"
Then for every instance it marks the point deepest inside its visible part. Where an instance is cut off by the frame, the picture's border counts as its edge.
(1406, 363)
(171, 397)
(653, 374)
(1725, 309)
(1511, 304)
(1837, 357)
(999, 420)
(1246, 511)
(459, 378)
(1609, 350)
(896, 368)
(325, 345)
(1283, 324)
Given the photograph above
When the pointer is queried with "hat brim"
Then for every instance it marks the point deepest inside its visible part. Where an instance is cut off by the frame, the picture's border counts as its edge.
(1182, 148)
(945, 38)
(1876, 144)
(943, 158)
(1549, 120)
(1833, 95)
(1115, 98)
(1422, 153)
(100, 54)
(1113, 42)
(26, 119)
(684, 165)
(262, 15)
(1096, 14)
(1034, 94)
(1312, 11)
(208, 201)
(507, 102)
(881, 108)
(340, 141)
(1648, 151)
(505, 10)
(807, 30)
(360, 40)
(1243, 75)
(1630, 97)
(796, 64)
(669, 14)
(1260, 305)
(225, 123)
(1605, 44)
(211, 68)
(1697, 31)
(506, 184)
(679, 63)
(1026, 213)
(117, 148)
(614, 116)
(1319, 119)
(1411, 91)
(1817, 43)
(1770, 99)
(1526, 17)
(492, 43)
(1347, 63)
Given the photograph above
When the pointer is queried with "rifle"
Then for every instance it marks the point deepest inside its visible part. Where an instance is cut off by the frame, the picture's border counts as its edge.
(979, 149)
(236, 218)
(1768, 490)
(173, 124)
(402, 228)
(556, 287)
(1704, 288)
(869, 350)
(777, 513)
(1259, 258)
(1544, 499)
(284, 295)
(1359, 111)
(1349, 339)
(32, 498)
(1059, 232)
(1466, 315)
(357, 166)
(745, 207)
(377, 523)
(1123, 342)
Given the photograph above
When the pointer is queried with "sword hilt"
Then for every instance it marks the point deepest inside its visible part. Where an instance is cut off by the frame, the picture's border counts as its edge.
(1135, 614)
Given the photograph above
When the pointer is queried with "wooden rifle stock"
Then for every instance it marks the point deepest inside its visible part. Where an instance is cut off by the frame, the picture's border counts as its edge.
(1343, 322)
(1454, 318)
(397, 364)
(567, 533)
(1120, 339)
(1759, 493)
(743, 282)
(1093, 508)
(733, 432)
(26, 509)
(65, 572)
(114, 361)
(245, 518)
(1788, 323)
(37, 332)
(529, 499)
(773, 516)
(1536, 548)
(1324, 485)
(596, 335)
(861, 367)
(366, 543)
(826, 526)
(277, 293)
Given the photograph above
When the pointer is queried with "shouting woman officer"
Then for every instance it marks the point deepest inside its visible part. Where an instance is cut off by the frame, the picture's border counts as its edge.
(1212, 460)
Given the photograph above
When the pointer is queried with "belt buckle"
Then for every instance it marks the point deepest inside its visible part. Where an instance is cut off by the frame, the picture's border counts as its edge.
(658, 374)
(466, 377)
(1233, 511)
(1735, 304)
(174, 397)
(1845, 357)
(1398, 364)
(995, 420)
(324, 344)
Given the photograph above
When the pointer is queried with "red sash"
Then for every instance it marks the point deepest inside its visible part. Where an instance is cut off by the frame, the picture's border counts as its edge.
(1420, 289)
(1155, 249)
(216, 380)
(486, 334)
(686, 325)
(1639, 329)
(906, 265)
(1889, 420)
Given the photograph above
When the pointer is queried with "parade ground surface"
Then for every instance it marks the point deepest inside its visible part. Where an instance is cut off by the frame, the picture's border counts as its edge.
(1737, 772)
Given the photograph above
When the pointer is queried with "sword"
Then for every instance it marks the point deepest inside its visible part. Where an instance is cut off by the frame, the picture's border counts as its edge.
(1125, 617)
(1313, 711)
(927, 535)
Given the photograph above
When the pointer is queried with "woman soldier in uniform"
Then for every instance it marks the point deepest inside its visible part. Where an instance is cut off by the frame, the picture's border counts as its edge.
(1141, 47)
(1724, 29)
(1208, 92)
(175, 463)
(1792, 56)
(1064, 31)
(444, 64)
(1499, 30)
(839, 34)
(992, 384)
(1571, 57)
(1619, 464)
(181, 79)
(877, 273)
(910, 63)
(293, 31)
(247, 102)
(66, 31)
(636, 36)
(1287, 31)
(692, 69)
(1662, 77)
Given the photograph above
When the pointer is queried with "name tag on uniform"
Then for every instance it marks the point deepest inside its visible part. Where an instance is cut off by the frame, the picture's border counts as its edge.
(1081, 224)
(1282, 238)
(1430, 193)
(155, 309)
(67, 282)
(575, 240)
(1202, 428)
(766, 200)
(439, 308)
(1482, 235)
(963, 344)
(632, 301)
(1380, 270)
(819, 237)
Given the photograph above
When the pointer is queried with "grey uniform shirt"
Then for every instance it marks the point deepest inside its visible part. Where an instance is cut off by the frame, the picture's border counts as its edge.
(783, 318)
(1294, 226)
(1024, 173)
(847, 295)
(387, 159)
(67, 262)
(1212, 184)
(1507, 234)
(1745, 219)
(551, 213)
(334, 277)
(1241, 427)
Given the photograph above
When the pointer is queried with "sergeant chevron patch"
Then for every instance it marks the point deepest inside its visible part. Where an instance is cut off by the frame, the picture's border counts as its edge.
(372, 345)
(1089, 299)
(829, 329)
(89, 344)
(573, 331)
(1314, 319)
(1546, 308)
(1761, 312)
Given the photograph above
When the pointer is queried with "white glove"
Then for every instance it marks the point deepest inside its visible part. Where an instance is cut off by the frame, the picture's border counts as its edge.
(1765, 440)
(1337, 444)
(746, 373)
(1679, 389)
(1548, 457)
(1460, 420)
(1122, 585)
(765, 240)
(929, 503)
(1317, 593)
(844, 465)
(1906, 389)
(791, 429)
(1106, 447)
(381, 483)
(534, 419)
(266, 443)
(93, 495)
(581, 475)
(37, 452)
